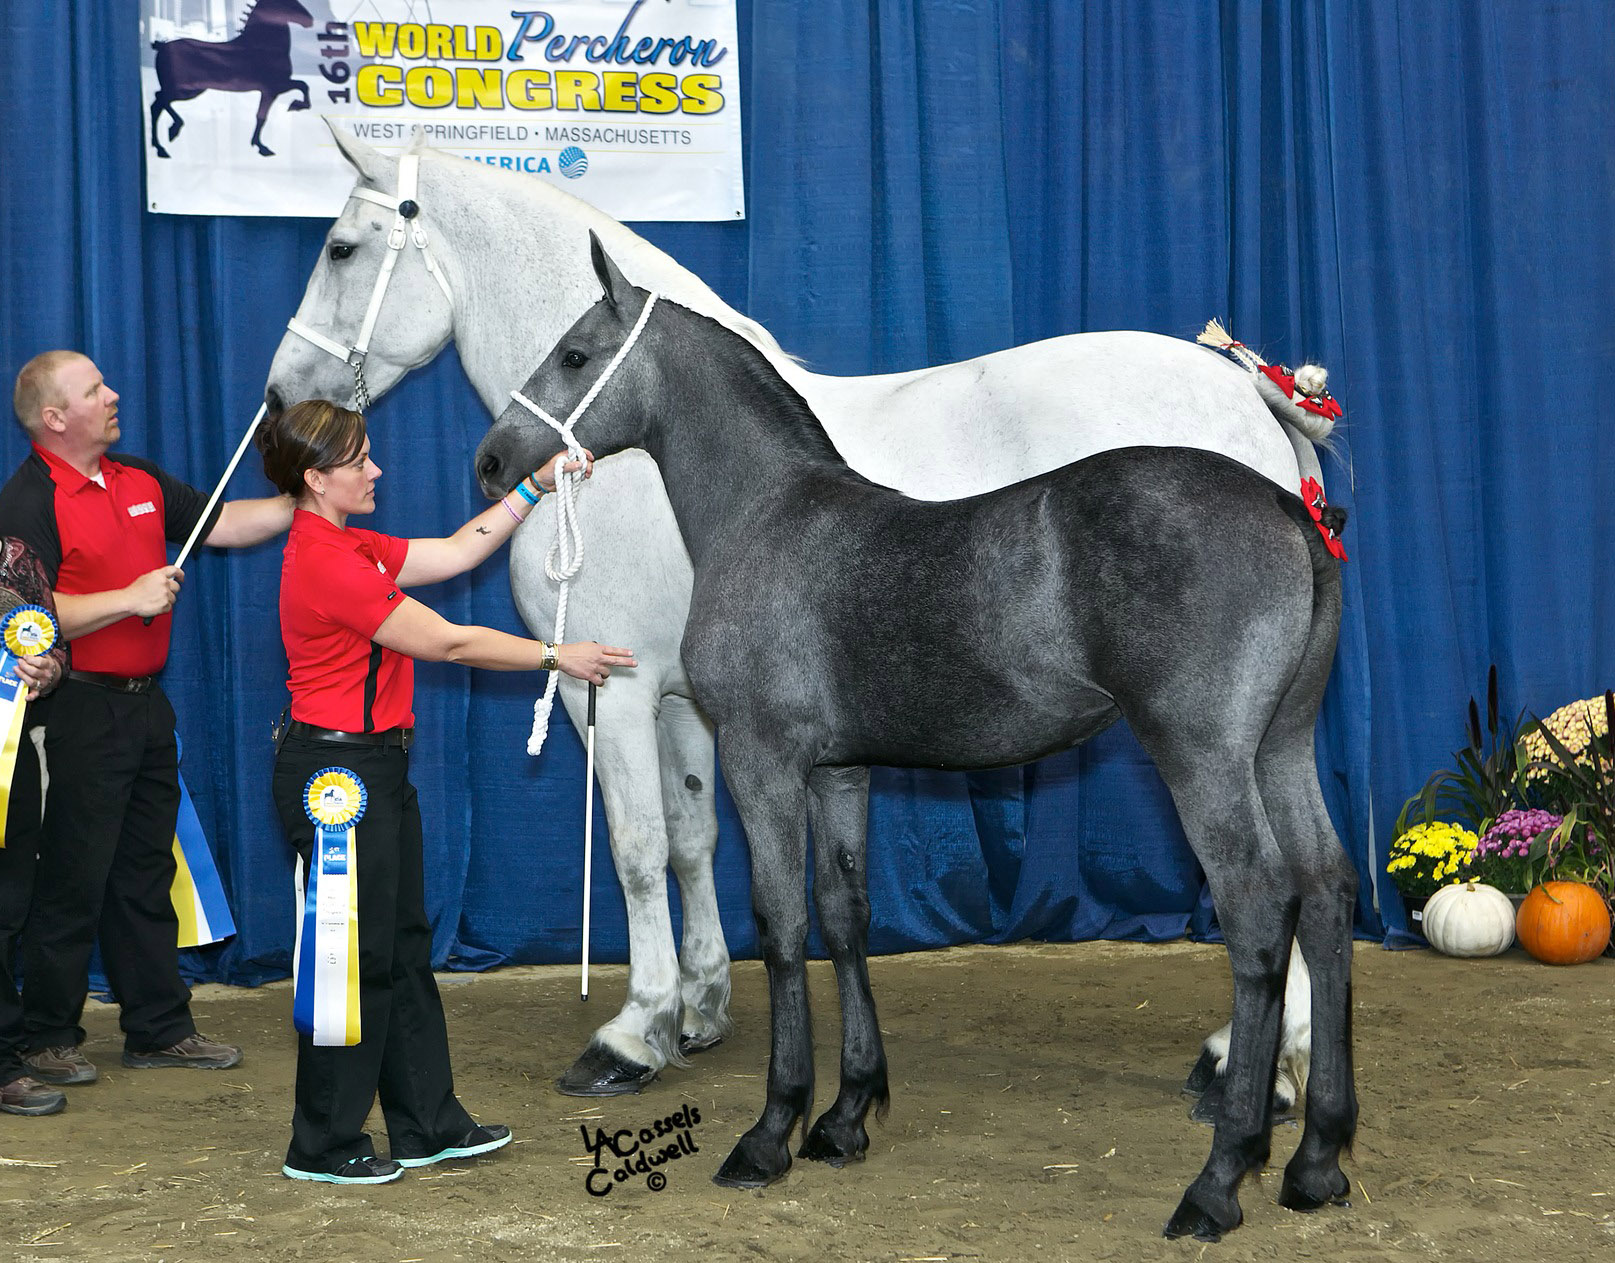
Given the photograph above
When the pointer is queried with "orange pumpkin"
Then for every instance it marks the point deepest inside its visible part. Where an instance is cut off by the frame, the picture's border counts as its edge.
(1563, 923)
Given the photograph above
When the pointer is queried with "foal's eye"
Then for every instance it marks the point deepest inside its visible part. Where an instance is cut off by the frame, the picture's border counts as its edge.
(340, 251)
(574, 359)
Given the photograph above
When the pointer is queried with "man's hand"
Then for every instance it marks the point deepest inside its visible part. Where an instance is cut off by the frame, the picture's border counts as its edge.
(155, 591)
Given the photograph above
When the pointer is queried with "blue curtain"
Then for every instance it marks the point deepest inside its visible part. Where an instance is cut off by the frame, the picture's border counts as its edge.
(1416, 193)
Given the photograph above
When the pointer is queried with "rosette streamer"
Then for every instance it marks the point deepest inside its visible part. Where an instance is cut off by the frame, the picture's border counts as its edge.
(197, 893)
(325, 1003)
(27, 632)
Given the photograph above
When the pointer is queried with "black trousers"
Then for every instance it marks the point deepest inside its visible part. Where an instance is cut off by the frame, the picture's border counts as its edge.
(106, 866)
(403, 1053)
(17, 863)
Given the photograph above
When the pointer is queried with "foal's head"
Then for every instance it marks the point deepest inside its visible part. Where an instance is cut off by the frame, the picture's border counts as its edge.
(615, 418)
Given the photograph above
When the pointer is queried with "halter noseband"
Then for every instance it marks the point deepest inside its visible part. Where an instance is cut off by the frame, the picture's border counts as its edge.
(564, 428)
(406, 227)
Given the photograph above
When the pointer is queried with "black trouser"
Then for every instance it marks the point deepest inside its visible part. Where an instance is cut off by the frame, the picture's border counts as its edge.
(403, 1053)
(17, 862)
(106, 865)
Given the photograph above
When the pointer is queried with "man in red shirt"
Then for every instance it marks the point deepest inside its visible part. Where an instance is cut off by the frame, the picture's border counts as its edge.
(100, 527)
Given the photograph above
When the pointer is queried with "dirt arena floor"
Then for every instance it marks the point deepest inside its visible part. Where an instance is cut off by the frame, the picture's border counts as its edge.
(1035, 1114)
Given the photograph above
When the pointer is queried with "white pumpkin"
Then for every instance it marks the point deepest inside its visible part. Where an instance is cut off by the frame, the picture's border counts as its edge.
(1469, 919)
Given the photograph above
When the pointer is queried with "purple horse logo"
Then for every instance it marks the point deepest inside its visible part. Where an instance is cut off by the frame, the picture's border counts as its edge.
(257, 60)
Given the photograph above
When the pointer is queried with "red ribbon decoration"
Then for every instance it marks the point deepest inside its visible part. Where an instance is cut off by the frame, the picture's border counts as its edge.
(1323, 404)
(1312, 497)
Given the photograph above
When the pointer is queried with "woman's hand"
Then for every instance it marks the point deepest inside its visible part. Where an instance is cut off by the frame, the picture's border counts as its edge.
(592, 662)
(545, 477)
(41, 674)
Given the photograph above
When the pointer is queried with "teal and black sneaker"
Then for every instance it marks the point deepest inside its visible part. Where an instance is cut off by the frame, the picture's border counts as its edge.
(477, 1140)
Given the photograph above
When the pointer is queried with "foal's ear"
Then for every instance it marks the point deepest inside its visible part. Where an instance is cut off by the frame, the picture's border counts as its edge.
(612, 281)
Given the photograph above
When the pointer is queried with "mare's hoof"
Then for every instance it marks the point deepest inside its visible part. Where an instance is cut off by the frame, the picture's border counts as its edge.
(750, 1165)
(1308, 1195)
(601, 1072)
(692, 1044)
(1203, 1075)
(161, 152)
(297, 105)
(266, 151)
(824, 1144)
(1194, 1220)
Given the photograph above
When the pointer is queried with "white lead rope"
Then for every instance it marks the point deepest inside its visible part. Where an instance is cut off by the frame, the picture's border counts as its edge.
(566, 553)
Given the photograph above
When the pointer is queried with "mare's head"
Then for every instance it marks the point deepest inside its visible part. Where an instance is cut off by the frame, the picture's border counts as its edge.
(415, 320)
(280, 13)
(616, 418)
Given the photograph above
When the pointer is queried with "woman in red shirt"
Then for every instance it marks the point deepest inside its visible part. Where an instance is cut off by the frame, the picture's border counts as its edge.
(351, 636)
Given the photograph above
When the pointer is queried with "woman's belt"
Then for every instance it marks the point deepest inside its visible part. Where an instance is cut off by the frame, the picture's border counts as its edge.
(117, 683)
(403, 738)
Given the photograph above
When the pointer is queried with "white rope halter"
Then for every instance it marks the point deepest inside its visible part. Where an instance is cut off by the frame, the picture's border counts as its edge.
(566, 553)
(406, 228)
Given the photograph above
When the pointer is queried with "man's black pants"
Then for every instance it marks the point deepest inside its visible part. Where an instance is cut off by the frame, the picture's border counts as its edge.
(106, 867)
(403, 1052)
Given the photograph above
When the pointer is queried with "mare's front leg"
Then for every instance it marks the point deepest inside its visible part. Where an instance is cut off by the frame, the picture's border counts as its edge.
(770, 790)
(626, 1053)
(689, 792)
(838, 811)
(299, 86)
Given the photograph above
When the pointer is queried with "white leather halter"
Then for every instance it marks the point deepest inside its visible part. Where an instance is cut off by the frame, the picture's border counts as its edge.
(566, 552)
(406, 228)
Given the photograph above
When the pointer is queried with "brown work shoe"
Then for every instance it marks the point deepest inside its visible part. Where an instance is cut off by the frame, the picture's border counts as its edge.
(61, 1065)
(29, 1096)
(195, 1052)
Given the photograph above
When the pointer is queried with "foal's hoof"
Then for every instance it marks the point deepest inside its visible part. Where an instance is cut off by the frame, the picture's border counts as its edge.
(296, 105)
(1206, 1109)
(753, 1164)
(1203, 1224)
(1310, 1193)
(836, 1145)
(1203, 1075)
(601, 1072)
(265, 151)
(689, 1045)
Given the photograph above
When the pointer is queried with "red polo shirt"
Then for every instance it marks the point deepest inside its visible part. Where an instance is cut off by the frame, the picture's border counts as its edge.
(100, 536)
(336, 587)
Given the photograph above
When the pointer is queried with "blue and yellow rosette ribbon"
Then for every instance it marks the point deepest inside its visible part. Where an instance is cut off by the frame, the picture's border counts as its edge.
(325, 1004)
(26, 632)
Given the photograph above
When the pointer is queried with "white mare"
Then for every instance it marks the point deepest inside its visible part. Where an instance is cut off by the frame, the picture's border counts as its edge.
(515, 255)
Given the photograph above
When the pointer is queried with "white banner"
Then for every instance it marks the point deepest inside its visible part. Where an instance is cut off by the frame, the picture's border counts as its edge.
(632, 105)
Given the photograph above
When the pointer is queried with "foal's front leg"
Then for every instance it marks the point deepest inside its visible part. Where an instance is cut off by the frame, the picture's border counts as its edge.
(772, 798)
(838, 810)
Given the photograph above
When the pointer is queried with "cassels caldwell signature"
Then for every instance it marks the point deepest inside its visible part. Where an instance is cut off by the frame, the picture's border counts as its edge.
(641, 1152)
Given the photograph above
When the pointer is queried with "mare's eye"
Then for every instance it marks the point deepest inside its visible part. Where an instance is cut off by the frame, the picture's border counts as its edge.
(340, 251)
(574, 359)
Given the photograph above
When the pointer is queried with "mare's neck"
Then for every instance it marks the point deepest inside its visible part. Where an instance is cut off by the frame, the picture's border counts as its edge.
(518, 261)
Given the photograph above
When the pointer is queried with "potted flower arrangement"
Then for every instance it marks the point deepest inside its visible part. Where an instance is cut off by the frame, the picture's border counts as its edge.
(1529, 807)
(1425, 858)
